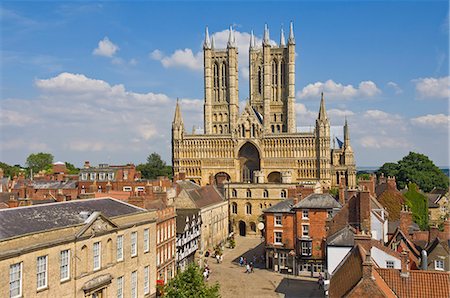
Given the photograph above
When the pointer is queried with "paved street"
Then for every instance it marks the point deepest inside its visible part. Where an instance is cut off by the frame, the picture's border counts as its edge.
(234, 282)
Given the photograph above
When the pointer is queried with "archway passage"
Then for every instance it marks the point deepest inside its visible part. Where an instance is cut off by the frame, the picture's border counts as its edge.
(249, 160)
(221, 177)
(242, 228)
(274, 177)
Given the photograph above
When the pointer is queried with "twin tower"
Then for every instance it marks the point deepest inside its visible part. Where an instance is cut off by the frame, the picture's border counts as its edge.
(271, 80)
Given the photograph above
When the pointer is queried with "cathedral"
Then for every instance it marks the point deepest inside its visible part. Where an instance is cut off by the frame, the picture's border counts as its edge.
(259, 144)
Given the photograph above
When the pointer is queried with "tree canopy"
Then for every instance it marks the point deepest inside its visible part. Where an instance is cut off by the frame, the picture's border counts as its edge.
(418, 204)
(10, 171)
(72, 170)
(39, 161)
(190, 283)
(154, 167)
(416, 168)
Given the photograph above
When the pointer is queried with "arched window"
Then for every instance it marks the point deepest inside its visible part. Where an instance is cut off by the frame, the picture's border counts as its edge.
(216, 81)
(283, 193)
(275, 117)
(281, 117)
(249, 193)
(225, 128)
(215, 129)
(214, 117)
(273, 128)
(282, 74)
(225, 116)
(260, 80)
(274, 73)
(260, 205)
(234, 208)
(243, 130)
(265, 193)
(234, 193)
(220, 117)
(278, 128)
(248, 208)
(109, 251)
(84, 259)
(224, 75)
(220, 129)
(253, 130)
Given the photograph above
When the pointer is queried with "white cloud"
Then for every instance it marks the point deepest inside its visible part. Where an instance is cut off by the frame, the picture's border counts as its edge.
(384, 142)
(433, 87)
(106, 48)
(180, 58)
(339, 113)
(432, 121)
(395, 87)
(382, 117)
(333, 90)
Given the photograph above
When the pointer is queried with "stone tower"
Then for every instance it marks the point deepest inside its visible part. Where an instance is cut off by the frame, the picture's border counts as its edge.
(323, 144)
(221, 106)
(272, 82)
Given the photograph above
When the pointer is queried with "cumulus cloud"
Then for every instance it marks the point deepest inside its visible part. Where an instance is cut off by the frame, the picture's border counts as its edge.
(333, 90)
(379, 142)
(382, 117)
(339, 113)
(432, 121)
(180, 58)
(105, 48)
(433, 87)
(395, 87)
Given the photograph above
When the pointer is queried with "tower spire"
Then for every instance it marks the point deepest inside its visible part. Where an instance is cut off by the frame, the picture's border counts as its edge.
(282, 40)
(231, 39)
(207, 42)
(177, 119)
(346, 134)
(213, 42)
(252, 40)
(291, 39)
(266, 40)
(322, 111)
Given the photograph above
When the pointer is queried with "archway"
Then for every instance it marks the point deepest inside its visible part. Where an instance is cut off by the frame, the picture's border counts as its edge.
(274, 177)
(249, 161)
(221, 177)
(253, 227)
(242, 228)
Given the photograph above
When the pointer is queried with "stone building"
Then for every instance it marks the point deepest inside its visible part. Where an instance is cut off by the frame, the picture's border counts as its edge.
(189, 225)
(263, 138)
(83, 248)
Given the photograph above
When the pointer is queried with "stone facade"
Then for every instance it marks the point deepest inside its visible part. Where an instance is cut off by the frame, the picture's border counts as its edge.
(80, 243)
(263, 137)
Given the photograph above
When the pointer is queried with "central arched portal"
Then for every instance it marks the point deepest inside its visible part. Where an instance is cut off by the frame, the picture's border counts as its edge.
(249, 161)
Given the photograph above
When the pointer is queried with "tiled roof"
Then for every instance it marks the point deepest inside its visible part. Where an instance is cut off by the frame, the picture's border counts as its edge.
(318, 201)
(283, 206)
(393, 225)
(344, 237)
(205, 196)
(34, 219)
(186, 184)
(432, 199)
(419, 283)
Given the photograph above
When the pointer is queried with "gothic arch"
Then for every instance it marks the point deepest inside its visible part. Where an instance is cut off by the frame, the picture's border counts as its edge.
(221, 177)
(249, 161)
(274, 177)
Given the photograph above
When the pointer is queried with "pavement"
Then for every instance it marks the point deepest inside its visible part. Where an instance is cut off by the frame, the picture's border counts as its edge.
(234, 282)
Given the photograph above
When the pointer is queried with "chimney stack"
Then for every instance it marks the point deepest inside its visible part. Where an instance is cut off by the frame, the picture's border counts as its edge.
(405, 263)
(405, 220)
(342, 188)
(364, 239)
(367, 266)
(364, 211)
(87, 165)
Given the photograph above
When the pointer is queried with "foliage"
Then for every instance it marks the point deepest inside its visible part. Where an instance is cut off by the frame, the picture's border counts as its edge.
(232, 242)
(392, 200)
(72, 170)
(154, 167)
(39, 161)
(190, 283)
(10, 171)
(416, 168)
(334, 192)
(418, 204)
(362, 176)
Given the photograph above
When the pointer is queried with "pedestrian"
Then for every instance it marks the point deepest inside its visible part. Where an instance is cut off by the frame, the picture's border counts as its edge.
(218, 258)
(205, 274)
(245, 261)
(247, 268)
(320, 281)
(241, 261)
(221, 258)
(251, 267)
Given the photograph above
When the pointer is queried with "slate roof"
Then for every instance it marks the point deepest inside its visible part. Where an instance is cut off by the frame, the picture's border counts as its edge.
(205, 196)
(344, 237)
(393, 225)
(432, 199)
(419, 283)
(186, 184)
(54, 184)
(33, 219)
(318, 201)
(283, 206)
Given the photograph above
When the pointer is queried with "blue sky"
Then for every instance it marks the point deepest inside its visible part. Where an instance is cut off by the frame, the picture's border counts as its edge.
(98, 81)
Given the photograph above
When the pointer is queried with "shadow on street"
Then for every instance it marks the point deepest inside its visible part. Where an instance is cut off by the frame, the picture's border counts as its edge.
(257, 251)
(293, 288)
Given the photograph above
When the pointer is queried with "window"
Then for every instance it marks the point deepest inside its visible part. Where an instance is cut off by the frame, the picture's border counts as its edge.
(146, 279)
(234, 193)
(330, 213)
(283, 193)
(64, 265)
(134, 284)
(120, 287)
(439, 264)
(306, 248)
(248, 208)
(390, 264)
(305, 230)
(305, 213)
(133, 244)
(127, 188)
(266, 193)
(119, 253)
(101, 176)
(146, 240)
(278, 237)
(41, 272)
(110, 176)
(92, 176)
(84, 176)
(234, 208)
(278, 221)
(97, 255)
(249, 193)
(15, 280)
(283, 259)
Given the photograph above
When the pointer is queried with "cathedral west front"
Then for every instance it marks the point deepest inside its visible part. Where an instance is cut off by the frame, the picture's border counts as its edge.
(259, 144)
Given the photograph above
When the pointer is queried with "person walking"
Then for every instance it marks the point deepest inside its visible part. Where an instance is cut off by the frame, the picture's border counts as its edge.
(241, 261)
(320, 281)
(247, 268)
(251, 267)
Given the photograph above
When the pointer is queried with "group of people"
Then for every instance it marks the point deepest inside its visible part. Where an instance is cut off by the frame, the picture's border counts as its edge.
(206, 272)
(248, 265)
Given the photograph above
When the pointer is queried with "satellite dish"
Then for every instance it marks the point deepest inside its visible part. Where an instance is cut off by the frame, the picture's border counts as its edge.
(261, 226)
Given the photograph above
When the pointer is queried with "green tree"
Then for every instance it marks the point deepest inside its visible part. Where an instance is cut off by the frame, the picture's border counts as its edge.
(39, 161)
(416, 168)
(72, 170)
(190, 283)
(10, 171)
(154, 167)
(418, 204)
